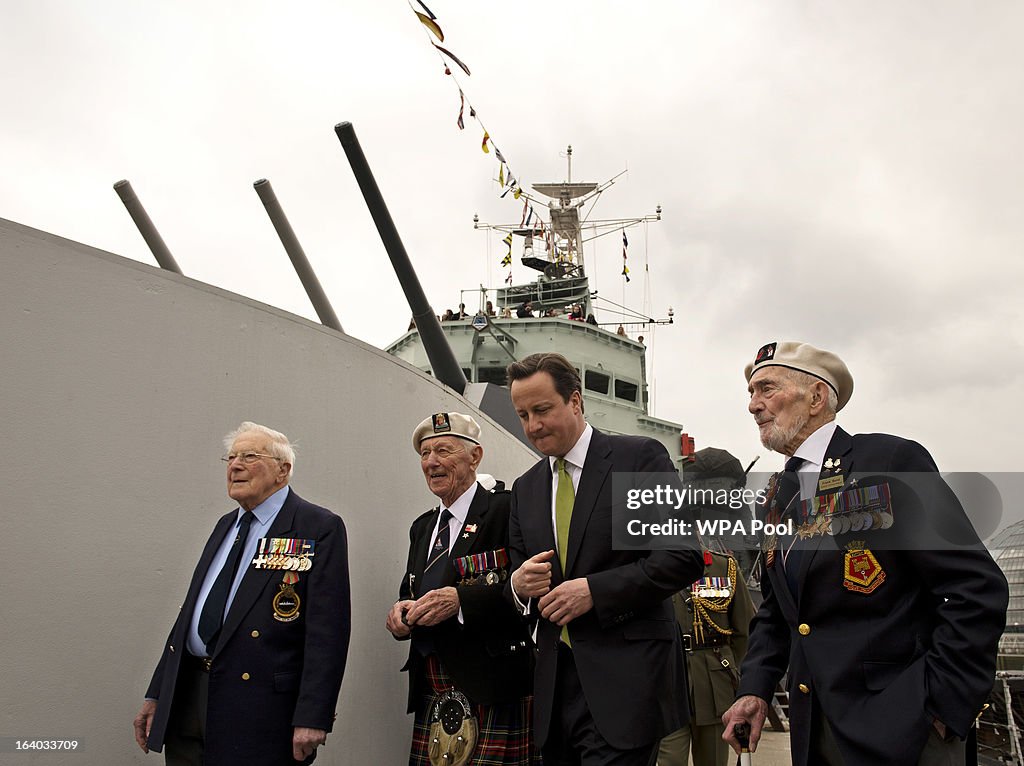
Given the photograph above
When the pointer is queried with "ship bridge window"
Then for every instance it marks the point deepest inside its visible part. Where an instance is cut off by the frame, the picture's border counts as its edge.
(495, 375)
(626, 390)
(596, 381)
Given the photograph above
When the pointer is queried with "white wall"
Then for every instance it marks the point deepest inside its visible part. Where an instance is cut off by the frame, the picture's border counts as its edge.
(117, 382)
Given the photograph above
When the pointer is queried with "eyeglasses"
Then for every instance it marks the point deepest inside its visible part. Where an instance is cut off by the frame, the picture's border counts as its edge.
(247, 458)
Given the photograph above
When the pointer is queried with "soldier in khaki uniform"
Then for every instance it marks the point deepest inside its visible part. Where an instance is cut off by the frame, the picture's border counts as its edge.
(714, 615)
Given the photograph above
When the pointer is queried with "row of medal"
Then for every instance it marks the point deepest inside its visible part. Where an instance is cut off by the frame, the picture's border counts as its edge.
(841, 524)
(284, 553)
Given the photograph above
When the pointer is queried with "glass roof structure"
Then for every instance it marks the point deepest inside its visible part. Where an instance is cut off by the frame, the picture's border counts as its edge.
(1008, 547)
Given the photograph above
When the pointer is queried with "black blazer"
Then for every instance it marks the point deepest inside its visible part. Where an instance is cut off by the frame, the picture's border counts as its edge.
(922, 644)
(627, 648)
(268, 676)
(489, 655)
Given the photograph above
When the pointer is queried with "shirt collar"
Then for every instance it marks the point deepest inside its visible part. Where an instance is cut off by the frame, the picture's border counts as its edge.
(577, 456)
(460, 508)
(813, 448)
(269, 508)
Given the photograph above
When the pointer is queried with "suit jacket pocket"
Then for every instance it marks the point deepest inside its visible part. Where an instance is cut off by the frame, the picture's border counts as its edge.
(660, 630)
(287, 681)
(878, 675)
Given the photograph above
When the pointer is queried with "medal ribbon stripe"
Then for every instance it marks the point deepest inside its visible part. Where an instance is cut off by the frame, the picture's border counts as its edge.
(874, 498)
(482, 562)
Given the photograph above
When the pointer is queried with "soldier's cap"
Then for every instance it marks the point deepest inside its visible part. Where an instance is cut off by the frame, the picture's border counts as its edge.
(804, 357)
(446, 424)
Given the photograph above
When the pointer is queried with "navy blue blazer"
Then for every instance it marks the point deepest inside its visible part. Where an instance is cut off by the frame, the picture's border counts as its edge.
(627, 648)
(268, 676)
(921, 644)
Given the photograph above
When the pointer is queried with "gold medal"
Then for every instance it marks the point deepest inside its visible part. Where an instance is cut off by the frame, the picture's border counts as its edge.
(286, 602)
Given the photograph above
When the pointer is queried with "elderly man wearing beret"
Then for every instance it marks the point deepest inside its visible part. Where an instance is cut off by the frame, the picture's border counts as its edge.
(883, 604)
(469, 660)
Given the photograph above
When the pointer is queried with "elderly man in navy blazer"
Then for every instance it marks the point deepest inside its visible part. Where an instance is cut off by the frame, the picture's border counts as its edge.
(610, 679)
(884, 605)
(251, 670)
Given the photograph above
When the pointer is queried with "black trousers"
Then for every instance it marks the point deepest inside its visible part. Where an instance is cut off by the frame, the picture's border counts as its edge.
(573, 739)
(186, 728)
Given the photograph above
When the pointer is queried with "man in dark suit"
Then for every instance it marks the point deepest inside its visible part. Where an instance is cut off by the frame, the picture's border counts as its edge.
(884, 604)
(251, 670)
(609, 680)
(465, 638)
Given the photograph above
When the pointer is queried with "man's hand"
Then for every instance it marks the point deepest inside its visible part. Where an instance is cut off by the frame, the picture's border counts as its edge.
(305, 742)
(533, 578)
(143, 723)
(940, 728)
(567, 601)
(747, 709)
(433, 608)
(394, 623)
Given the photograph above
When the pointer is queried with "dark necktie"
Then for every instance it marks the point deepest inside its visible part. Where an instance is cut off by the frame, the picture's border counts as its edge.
(212, 617)
(437, 559)
(433, 577)
(788, 498)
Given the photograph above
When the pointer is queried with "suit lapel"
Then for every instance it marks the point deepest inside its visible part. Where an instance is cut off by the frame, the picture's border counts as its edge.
(220, 531)
(255, 581)
(595, 472)
(534, 511)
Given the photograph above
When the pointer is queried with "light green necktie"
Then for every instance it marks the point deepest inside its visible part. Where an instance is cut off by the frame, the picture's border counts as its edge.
(565, 496)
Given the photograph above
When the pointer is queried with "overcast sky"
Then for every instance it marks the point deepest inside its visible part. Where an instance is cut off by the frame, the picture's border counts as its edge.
(844, 173)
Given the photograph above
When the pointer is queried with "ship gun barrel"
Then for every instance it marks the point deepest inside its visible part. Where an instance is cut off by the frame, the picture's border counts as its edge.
(307, 276)
(442, 359)
(145, 226)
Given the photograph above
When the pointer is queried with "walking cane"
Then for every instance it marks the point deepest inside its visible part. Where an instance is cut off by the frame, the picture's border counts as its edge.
(742, 732)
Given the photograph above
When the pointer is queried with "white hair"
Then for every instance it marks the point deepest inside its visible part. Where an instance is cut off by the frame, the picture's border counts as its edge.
(805, 380)
(279, 446)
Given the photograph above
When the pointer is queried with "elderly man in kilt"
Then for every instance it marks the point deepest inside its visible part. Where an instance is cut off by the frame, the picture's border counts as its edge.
(470, 659)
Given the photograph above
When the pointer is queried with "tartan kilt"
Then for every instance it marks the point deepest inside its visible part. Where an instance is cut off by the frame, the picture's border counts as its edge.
(506, 736)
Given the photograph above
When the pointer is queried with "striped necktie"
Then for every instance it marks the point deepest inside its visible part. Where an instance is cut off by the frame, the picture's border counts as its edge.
(437, 559)
(789, 498)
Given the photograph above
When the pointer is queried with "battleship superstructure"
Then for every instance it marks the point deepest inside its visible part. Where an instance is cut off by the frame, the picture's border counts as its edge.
(612, 366)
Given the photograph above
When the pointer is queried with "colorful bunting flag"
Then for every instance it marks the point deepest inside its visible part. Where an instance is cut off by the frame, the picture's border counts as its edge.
(483, 144)
(507, 260)
(462, 105)
(430, 24)
(453, 57)
(625, 244)
(423, 5)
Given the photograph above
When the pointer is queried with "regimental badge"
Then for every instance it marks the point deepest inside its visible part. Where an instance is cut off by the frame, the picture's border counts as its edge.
(286, 602)
(861, 571)
(765, 353)
(442, 424)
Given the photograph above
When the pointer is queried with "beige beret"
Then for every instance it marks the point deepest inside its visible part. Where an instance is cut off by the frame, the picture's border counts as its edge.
(446, 424)
(806, 358)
